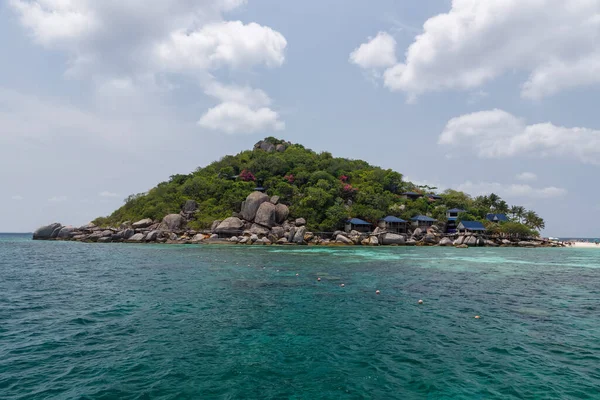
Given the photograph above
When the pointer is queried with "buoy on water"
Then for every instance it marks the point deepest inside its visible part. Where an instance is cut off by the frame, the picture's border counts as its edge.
(420, 301)
(377, 292)
(319, 279)
(477, 317)
(342, 285)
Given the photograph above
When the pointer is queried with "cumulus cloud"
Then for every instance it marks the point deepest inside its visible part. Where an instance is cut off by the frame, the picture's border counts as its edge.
(554, 41)
(108, 194)
(510, 190)
(128, 45)
(527, 176)
(233, 118)
(499, 134)
(378, 52)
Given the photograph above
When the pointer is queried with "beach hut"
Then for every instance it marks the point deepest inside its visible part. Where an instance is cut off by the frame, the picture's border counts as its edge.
(496, 218)
(411, 195)
(423, 221)
(356, 224)
(393, 224)
(471, 227)
(434, 197)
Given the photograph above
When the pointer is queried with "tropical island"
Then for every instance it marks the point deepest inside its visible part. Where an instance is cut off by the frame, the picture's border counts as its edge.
(283, 193)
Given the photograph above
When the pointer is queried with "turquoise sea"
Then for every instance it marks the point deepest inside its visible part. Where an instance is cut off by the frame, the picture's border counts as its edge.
(91, 321)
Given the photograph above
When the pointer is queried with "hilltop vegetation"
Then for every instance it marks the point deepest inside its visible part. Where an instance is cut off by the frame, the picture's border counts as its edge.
(323, 189)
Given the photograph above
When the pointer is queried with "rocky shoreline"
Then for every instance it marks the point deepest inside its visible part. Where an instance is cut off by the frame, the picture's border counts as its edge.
(263, 220)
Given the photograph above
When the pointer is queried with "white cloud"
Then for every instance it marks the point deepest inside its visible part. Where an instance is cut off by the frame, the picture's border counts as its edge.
(17, 197)
(527, 176)
(228, 43)
(238, 94)
(233, 118)
(136, 46)
(108, 194)
(57, 199)
(510, 190)
(554, 41)
(378, 52)
(498, 134)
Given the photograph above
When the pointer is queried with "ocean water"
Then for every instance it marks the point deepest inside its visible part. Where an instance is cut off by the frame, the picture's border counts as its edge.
(91, 321)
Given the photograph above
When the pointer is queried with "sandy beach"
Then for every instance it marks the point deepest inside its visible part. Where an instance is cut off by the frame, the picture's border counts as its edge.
(585, 245)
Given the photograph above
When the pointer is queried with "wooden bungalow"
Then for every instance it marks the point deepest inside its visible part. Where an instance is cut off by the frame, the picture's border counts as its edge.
(423, 221)
(356, 224)
(393, 224)
(471, 227)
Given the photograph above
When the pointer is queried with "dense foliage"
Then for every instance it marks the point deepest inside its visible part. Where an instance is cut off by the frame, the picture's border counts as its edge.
(317, 186)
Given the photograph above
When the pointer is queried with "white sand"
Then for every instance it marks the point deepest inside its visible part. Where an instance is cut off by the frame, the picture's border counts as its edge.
(584, 245)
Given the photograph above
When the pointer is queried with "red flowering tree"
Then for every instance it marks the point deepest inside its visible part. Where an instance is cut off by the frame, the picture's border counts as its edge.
(344, 178)
(290, 178)
(247, 176)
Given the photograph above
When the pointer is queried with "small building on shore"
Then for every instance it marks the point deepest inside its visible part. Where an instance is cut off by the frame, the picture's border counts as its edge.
(357, 224)
(497, 218)
(423, 221)
(470, 227)
(411, 195)
(434, 197)
(393, 224)
(452, 216)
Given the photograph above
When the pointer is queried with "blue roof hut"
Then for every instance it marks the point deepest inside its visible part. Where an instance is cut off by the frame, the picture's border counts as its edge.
(423, 221)
(471, 227)
(356, 224)
(393, 224)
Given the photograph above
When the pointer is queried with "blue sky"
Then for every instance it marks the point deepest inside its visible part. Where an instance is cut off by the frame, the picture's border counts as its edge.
(99, 100)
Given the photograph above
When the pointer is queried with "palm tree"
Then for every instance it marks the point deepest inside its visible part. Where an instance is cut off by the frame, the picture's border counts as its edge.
(517, 212)
(493, 200)
(502, 207)
(534, 221)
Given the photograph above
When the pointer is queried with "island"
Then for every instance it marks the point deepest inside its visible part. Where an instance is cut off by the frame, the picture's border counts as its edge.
(281, 193)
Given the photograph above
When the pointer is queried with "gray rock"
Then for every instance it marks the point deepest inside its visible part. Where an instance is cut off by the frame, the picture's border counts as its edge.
(244, 240)
(392, 238)
(506, 242)
(278, 231)
(190, 207)
(234, 239)
(282, 241)
(291, 234)
(125, 225)
(268, 147)
(144, 223)
(106, 239)
(259, 230)
(373, 241)
(343, 239)
(215, 225)
(459, 240)
(138, 237)
(411, 242)
(274, 200)
(280, 148)
(94, 237)
(299, 235)
(172, 222)
(66, 232)
(231, 225)
(430, 239)
(87, 227)
(445, 242)
(197, 238)
(470, 241)
(300, 222)
(491, 243)
(253, 238)
(80, 237)
(251, 205)
(107, 233)
(214, 236)
(117, 237)
(266, 215)
(152, 236)
(418, 232)
(128, 233)
(282, 213)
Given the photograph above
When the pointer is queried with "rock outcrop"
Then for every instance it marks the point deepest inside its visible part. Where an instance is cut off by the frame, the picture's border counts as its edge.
(252, 204)
(173, 222)
(266, 215)
(144, 223)
(47, 232)
(231, 225)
